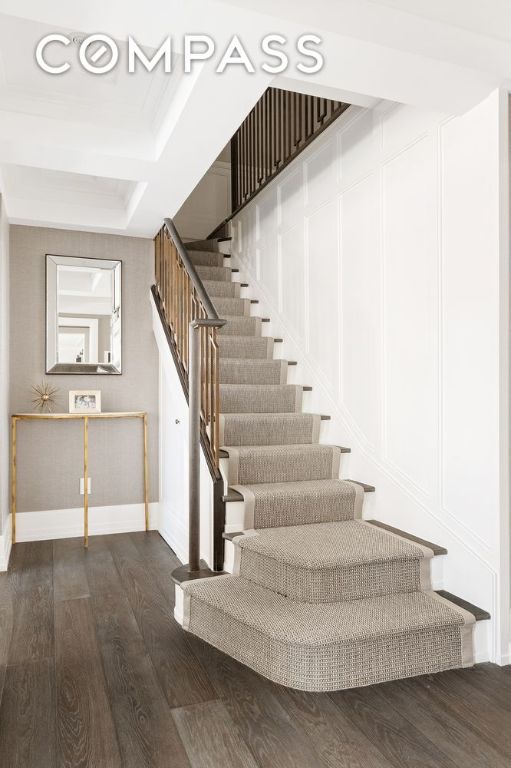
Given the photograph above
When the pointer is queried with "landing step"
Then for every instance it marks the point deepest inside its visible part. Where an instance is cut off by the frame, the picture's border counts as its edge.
(367, 488)
(479, 613)
(437, 549)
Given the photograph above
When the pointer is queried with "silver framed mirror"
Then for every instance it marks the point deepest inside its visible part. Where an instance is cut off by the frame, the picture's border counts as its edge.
(83, 315)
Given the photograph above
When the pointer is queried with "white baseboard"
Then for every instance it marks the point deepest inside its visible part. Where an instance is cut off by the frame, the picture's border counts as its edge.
(5, 545)
(67, 523)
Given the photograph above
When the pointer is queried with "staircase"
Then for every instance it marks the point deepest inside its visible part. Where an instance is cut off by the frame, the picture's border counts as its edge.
(315, 598)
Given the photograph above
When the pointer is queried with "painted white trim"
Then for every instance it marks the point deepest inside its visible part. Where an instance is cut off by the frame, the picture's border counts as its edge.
(5, 545)
(67, 523)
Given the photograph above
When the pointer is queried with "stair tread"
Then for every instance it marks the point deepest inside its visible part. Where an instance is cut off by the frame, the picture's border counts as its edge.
(295, 489)
(321, 624)
(286, 449)
(227, 448)
(479, 613)
(330, 545)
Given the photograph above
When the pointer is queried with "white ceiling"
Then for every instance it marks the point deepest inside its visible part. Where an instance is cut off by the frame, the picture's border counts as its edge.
(118, 152)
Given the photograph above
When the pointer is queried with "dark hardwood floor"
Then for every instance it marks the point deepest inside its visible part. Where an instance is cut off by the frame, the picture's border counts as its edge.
(94, 671)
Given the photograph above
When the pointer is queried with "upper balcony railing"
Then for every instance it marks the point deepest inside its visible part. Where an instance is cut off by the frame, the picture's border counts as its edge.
(277, 129)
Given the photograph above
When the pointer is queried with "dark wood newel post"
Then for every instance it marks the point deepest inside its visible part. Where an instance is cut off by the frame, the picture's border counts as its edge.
(194, 447)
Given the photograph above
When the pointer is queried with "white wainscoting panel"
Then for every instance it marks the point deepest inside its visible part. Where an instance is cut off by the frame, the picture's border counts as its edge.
(410, 341)
(381, 274)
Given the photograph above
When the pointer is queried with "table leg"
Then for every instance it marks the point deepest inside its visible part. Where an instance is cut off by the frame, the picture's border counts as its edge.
(86, 481)
(146, 476)
(13, 479)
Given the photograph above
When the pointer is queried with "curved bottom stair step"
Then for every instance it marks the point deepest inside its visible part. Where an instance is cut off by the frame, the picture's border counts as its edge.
(332, 646)
(329, 562)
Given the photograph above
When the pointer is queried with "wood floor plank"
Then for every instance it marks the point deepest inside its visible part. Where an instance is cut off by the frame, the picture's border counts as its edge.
(402, 744)
(490, 681)
(180, 673)
(30, 564)
(273, 739)
(30, 578)
(160, 560)
(85, 729)
(443, 726)
(482, 715)
(146, 732)
(122, 663)
(6, 625)
(211, 738)
(69, 579)
(27, 716)
(334, 738)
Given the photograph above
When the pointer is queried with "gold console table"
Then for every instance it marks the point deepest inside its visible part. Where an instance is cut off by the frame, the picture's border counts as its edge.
(85, 417)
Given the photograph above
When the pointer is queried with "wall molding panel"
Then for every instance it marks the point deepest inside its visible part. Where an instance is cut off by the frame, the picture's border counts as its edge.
(387, 334)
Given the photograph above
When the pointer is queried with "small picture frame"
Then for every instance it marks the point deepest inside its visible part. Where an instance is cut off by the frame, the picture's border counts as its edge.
(85, 401)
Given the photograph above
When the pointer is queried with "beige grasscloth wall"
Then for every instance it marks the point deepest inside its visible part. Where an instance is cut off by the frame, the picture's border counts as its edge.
(49, 453)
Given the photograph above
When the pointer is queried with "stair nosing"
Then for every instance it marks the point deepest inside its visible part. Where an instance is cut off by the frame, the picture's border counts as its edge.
(437, 549)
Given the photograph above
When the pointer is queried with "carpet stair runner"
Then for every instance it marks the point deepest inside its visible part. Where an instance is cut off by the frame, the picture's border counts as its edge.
(318, 599)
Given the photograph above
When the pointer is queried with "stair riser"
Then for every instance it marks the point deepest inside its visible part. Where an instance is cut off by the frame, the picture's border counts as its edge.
(252, 372)
(232, 306)
(206, 259)
(280, 468)
(221, 289)
(333, 584)
(287, 399)
(252, 348)
(298, 430)
(239, 518)
(221, 274)
(242, 326)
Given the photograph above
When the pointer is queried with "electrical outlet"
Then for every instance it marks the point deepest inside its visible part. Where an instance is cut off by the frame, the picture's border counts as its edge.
(82, 486)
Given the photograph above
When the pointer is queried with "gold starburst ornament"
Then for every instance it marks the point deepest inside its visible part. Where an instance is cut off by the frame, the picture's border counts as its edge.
(45, 397)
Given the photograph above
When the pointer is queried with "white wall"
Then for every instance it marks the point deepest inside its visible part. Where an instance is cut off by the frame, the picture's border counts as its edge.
(208, 205)
(376, 254)
(4, 372)
(173, 466)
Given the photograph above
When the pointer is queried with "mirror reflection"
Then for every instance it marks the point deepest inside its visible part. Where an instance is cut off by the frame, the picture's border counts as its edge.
(83, 315)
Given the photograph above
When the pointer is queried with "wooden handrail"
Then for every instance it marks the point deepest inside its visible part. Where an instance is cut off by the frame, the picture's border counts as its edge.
(192, 324)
